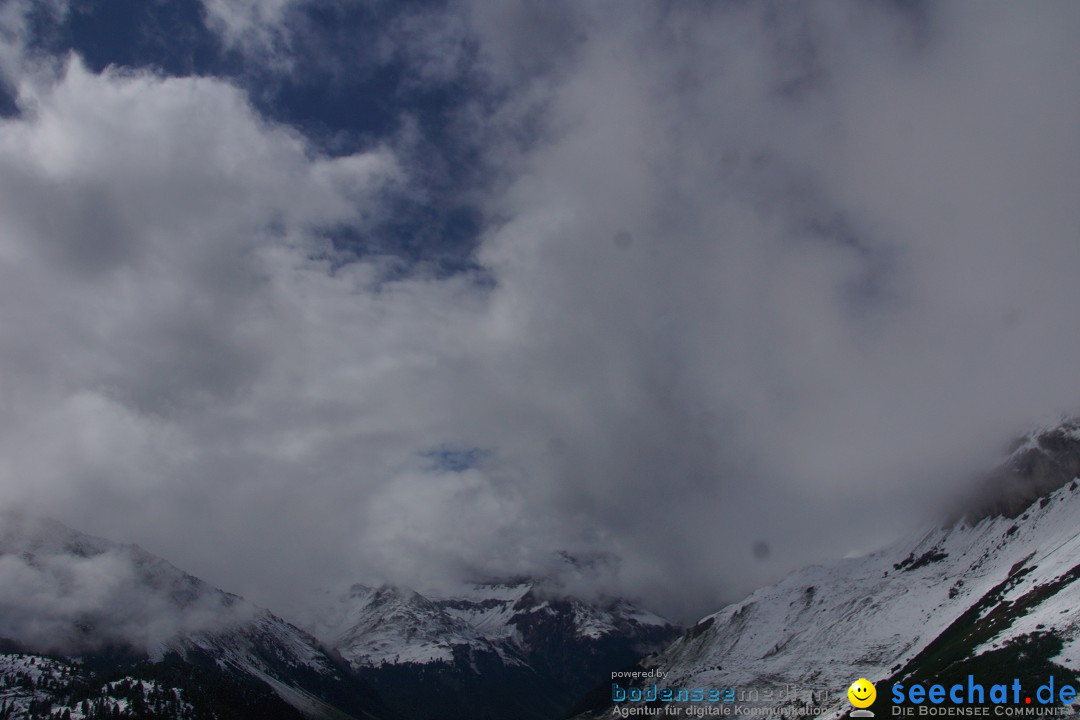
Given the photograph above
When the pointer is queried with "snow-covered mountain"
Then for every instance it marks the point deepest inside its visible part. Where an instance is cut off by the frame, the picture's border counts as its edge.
(995, 593)
(388, 625)
(518, 648)
(81, 614)
(114, 606)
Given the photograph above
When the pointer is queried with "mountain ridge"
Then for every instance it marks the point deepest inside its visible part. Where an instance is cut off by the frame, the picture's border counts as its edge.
(99, 612)
(522, 646)
(989, 591)
(113, 606)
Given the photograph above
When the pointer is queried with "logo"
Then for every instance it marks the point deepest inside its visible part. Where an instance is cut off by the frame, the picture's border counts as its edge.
(862, 694)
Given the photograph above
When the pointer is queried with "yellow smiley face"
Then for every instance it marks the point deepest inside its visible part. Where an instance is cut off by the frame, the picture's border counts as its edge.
(862, 693)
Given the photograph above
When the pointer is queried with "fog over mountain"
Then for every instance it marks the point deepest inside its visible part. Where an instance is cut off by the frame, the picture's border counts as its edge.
(299, 294)
(61, 591)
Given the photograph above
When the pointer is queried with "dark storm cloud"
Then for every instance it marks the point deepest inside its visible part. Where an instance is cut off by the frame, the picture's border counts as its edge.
(754, 278)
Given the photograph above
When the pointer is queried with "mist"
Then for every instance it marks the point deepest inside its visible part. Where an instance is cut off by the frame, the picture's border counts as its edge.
(61, 592)
(754, 285)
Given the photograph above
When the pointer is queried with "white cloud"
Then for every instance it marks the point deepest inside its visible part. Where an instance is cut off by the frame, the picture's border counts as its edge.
(16, 58)
(158, 243)
(64, 593)
(792, 266)
(754, 274)
(255, 27)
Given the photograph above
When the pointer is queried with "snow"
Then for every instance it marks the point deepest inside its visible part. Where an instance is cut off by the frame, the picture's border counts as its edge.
(12, 666)
(823, 626)
(387, 625)
(186, 613)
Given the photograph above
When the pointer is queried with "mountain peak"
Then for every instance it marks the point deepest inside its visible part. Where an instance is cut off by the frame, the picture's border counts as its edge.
(68, 592)
(395, 625)
(1040, 461)
(75, 592)
(997, 593)
(21, 533)
(520, 647)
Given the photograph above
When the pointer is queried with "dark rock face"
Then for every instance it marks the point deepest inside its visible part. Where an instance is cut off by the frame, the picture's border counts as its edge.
(1040, 463)
(541, 653)
(573, 663)
(474, 686)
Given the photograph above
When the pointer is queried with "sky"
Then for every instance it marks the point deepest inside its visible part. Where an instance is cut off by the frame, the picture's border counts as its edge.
(297, 293)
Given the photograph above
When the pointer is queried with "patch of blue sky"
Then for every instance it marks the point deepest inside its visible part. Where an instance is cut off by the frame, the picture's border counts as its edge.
(451, 458)
(169, 37)
(334, 89)
(8, 108)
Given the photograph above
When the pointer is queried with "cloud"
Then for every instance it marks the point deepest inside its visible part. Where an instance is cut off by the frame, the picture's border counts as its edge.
(254, 27)
(155, 230)
(752, 278)
(781, 268)
(16, 55)
(63, 592)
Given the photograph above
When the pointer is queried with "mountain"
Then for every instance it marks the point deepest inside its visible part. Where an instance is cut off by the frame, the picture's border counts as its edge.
(34, 686)
(519, 648)
(90, 628)
(994, 593)
(105, 612)
(93, 629)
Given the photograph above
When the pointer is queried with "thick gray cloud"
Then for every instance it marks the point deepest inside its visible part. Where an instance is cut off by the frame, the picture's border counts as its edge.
(61, 591)
(762, 274)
